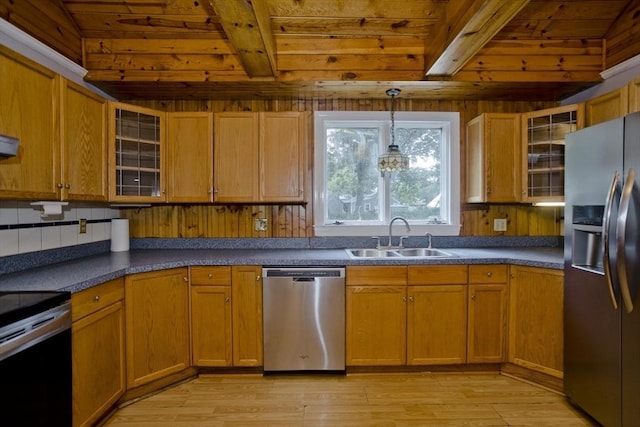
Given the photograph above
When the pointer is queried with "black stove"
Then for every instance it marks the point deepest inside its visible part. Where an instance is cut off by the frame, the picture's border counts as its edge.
(17, 305)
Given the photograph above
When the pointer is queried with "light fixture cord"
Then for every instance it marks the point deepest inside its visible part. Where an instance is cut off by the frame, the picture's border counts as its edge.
(393, 123)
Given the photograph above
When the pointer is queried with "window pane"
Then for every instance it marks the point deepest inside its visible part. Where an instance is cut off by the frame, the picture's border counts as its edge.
(415, 193)
(352, 178)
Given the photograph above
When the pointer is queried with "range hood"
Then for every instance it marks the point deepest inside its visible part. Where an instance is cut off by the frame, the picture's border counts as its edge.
(8, 146)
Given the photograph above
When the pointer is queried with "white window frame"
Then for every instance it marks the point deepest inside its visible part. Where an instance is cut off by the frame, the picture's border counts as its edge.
(451, 158)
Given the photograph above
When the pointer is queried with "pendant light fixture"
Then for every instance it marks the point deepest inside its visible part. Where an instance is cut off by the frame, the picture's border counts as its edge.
(393, 160)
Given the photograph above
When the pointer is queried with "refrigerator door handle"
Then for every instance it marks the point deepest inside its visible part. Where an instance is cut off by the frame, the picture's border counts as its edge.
(625, 200)
(605, 234)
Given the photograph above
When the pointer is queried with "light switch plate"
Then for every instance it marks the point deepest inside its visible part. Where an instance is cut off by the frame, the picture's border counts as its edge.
(83, 226)
(500, 224)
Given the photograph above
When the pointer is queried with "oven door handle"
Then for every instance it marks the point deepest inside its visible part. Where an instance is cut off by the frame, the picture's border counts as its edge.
(25, 333)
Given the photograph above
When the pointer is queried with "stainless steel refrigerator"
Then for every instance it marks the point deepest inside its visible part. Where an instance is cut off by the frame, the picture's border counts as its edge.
(602, 265)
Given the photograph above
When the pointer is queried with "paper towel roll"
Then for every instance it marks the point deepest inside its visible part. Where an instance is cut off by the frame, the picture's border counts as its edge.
(119, 235)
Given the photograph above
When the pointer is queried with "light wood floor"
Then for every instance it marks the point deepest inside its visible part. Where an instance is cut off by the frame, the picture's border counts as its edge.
(362, 400)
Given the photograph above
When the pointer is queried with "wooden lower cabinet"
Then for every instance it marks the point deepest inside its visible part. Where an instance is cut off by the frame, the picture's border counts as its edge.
(376, 307)
(437, 315)
(536, 319)
(487, 317)
(98, 351)
(157, 326)
(211, 325)
(246, 309)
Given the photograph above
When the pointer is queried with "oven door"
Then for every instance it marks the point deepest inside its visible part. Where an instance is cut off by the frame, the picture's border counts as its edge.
(35, 369)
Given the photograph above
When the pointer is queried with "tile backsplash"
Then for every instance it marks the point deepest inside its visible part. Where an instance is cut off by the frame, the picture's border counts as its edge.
(23, 230)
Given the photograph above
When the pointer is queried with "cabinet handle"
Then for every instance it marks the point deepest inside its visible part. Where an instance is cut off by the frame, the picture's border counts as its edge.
(209, 191)
(97, 298)
(489, 274)
(410, 299)
(258, 278)
(404, 299)
(473, 296)
(186, 279)
(67, 186)
(209, 276)
(227, 299)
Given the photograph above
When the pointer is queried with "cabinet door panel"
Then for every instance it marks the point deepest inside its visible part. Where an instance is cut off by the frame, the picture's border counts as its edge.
(84, 144)
(487, 323)
(98, 363)
(190, 157)
(246, 302)
(437, 325)
(376, 325)
(235, 157)
(211, 325)
(282, 139)
(536, 319)
(29, 111)
(157, 307)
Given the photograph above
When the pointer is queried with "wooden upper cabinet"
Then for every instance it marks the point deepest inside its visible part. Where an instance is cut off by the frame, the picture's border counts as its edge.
(607, 107)
(493, 143)
(190, 157)
(282, 156)
(84, 144)
(136, 153)
(235, 157)
(259, 157)
(634, 95)
(29, 111)
(543, 134)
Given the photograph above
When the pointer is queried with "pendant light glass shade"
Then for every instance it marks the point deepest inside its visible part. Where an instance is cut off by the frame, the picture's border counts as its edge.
(393, 160)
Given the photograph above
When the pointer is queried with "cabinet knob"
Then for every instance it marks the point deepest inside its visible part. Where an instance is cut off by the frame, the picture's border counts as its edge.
(96, 298)
(59, 185)
(489, 274)
(227, 299)
(186, 279)
(209, 276)
(473, 297)
(67, 186)
(410, 299)
(404, 299)
(258, 278)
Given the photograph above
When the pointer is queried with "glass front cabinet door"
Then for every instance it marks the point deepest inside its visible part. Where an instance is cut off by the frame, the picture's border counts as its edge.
(136, 156)
(543, 142)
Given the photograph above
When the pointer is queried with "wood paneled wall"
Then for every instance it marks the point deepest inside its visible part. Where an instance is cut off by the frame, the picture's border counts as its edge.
(297, 220)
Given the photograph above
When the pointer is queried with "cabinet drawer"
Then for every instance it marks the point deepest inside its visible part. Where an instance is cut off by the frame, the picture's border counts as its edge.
(96, 298)
(387, 275)
(211, 275)
(437, 274)
(490, 273)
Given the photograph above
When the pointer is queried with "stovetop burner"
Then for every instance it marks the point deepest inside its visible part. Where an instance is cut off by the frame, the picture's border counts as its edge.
(16, 305)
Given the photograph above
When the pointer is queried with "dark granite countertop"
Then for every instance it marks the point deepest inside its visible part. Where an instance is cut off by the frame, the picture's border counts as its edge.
(82, 273)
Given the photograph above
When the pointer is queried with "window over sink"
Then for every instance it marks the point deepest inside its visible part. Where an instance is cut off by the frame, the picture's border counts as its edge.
(352, 198)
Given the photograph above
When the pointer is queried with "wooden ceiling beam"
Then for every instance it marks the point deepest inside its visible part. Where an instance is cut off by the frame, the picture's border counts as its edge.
(247, 25)
(469, 25)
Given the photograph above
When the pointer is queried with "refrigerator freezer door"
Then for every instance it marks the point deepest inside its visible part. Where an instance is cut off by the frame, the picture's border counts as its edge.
(592, 326)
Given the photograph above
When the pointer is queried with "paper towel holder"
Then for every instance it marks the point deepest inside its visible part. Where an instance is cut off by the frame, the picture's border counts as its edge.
(50, 208)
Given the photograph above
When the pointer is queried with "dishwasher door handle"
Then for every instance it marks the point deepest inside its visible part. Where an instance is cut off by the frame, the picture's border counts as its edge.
(304, 279)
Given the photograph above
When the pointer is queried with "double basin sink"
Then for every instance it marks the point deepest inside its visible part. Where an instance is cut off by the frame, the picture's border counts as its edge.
(399, 253)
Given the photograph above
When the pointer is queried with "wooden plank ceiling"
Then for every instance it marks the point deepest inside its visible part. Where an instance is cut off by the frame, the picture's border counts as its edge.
(240, 49)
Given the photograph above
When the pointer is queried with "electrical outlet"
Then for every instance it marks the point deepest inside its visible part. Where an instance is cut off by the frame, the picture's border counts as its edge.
(260, 224)
(83, 226)
(500, 224)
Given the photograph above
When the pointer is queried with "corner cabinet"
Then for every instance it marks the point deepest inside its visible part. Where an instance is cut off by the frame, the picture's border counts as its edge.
(260, 157)
(157, 325)
(136, 154)
(543, 134)
(493, 158)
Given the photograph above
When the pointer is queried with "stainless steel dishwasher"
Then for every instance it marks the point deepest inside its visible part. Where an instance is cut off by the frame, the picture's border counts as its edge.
(304, 319)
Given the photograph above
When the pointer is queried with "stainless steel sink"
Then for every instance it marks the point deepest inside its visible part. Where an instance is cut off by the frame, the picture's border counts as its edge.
(372, 253)
(423, 252)
(399, 253)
